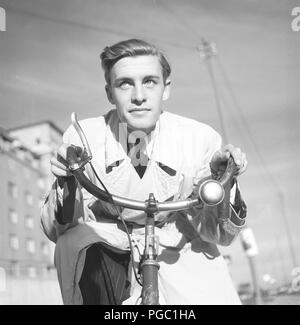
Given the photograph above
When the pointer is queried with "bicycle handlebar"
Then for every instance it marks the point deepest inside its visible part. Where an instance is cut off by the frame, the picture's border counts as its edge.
(129, 203)
(211, 192)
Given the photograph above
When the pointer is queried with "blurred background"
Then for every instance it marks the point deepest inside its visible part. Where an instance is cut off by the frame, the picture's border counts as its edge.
(235, 66)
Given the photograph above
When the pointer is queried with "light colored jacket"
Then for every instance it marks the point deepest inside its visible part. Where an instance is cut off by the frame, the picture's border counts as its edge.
(180, 150)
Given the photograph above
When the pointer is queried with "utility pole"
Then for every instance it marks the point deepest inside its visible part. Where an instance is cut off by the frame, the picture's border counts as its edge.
(251, 250)
(281, 259)
(207, 51)
(287, 228)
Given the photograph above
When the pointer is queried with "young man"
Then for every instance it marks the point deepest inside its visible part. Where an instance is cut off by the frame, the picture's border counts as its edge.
(138, 148)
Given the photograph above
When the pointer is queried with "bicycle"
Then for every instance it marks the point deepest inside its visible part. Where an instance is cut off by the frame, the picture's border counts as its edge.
(211, 192)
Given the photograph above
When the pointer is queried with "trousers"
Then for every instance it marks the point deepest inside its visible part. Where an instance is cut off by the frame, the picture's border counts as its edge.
(104, 279)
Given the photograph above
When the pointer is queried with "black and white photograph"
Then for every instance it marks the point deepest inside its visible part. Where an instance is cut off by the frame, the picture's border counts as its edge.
(149, 154)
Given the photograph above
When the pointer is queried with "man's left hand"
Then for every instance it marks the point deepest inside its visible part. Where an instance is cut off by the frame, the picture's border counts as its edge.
(219, 160)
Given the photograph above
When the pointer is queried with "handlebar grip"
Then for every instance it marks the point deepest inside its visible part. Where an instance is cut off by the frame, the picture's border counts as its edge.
(69, 193)
(229, 173)
(92, 188)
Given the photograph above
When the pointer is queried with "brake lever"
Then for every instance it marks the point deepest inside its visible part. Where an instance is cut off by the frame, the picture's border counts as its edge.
(73, 160)
(81, 134)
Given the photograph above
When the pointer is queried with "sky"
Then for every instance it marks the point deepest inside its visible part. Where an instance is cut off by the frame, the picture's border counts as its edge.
(50, 67)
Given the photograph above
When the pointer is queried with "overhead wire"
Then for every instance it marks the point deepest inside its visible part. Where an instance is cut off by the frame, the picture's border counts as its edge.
(101, 29)
(217, 100)
(271, 179)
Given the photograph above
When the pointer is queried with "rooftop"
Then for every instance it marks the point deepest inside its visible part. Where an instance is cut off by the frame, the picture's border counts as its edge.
(50, 123)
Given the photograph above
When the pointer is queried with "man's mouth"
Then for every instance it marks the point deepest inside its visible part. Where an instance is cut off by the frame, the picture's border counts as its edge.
(139, 109)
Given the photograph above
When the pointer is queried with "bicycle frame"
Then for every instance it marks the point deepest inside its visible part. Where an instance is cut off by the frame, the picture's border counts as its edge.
(211, 192)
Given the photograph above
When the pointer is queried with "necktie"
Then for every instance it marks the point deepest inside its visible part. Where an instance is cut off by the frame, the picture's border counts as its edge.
(139, 158)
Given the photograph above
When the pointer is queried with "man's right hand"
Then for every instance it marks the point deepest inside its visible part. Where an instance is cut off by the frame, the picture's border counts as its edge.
(59, 164)
(66, 181)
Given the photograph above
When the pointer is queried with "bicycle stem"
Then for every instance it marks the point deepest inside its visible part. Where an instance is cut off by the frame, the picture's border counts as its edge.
(149, 265)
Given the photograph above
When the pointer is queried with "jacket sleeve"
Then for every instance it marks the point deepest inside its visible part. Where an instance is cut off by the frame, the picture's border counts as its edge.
(52, 212)
(52, 219)
(222, 223)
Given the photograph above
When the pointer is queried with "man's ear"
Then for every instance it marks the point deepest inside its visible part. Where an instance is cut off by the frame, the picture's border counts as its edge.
(167, 89)
(109, 94)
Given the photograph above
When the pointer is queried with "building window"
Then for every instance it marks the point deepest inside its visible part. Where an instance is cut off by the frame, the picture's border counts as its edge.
(31, 271)
(41, 183)
(13, 216)
(35, 163)
(20, 154)
(44, 271)
(41, 203)
(2, 279)
(14, 242)
(29, 198)
(29, 222)
(30, 246)
(15, 268)
(12, 190)
(45, 248)
(27, 173)
(11, 165)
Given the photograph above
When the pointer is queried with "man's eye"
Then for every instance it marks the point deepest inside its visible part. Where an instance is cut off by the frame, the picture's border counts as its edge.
(149, 83)
(124, 85)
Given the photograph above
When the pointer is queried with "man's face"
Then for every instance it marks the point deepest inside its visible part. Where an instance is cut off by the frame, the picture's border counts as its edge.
(137, 89)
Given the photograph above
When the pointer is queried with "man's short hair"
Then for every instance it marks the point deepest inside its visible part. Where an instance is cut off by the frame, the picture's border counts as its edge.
(131, 48)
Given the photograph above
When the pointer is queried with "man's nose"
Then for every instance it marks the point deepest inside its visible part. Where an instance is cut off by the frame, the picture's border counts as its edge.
(138, 95)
